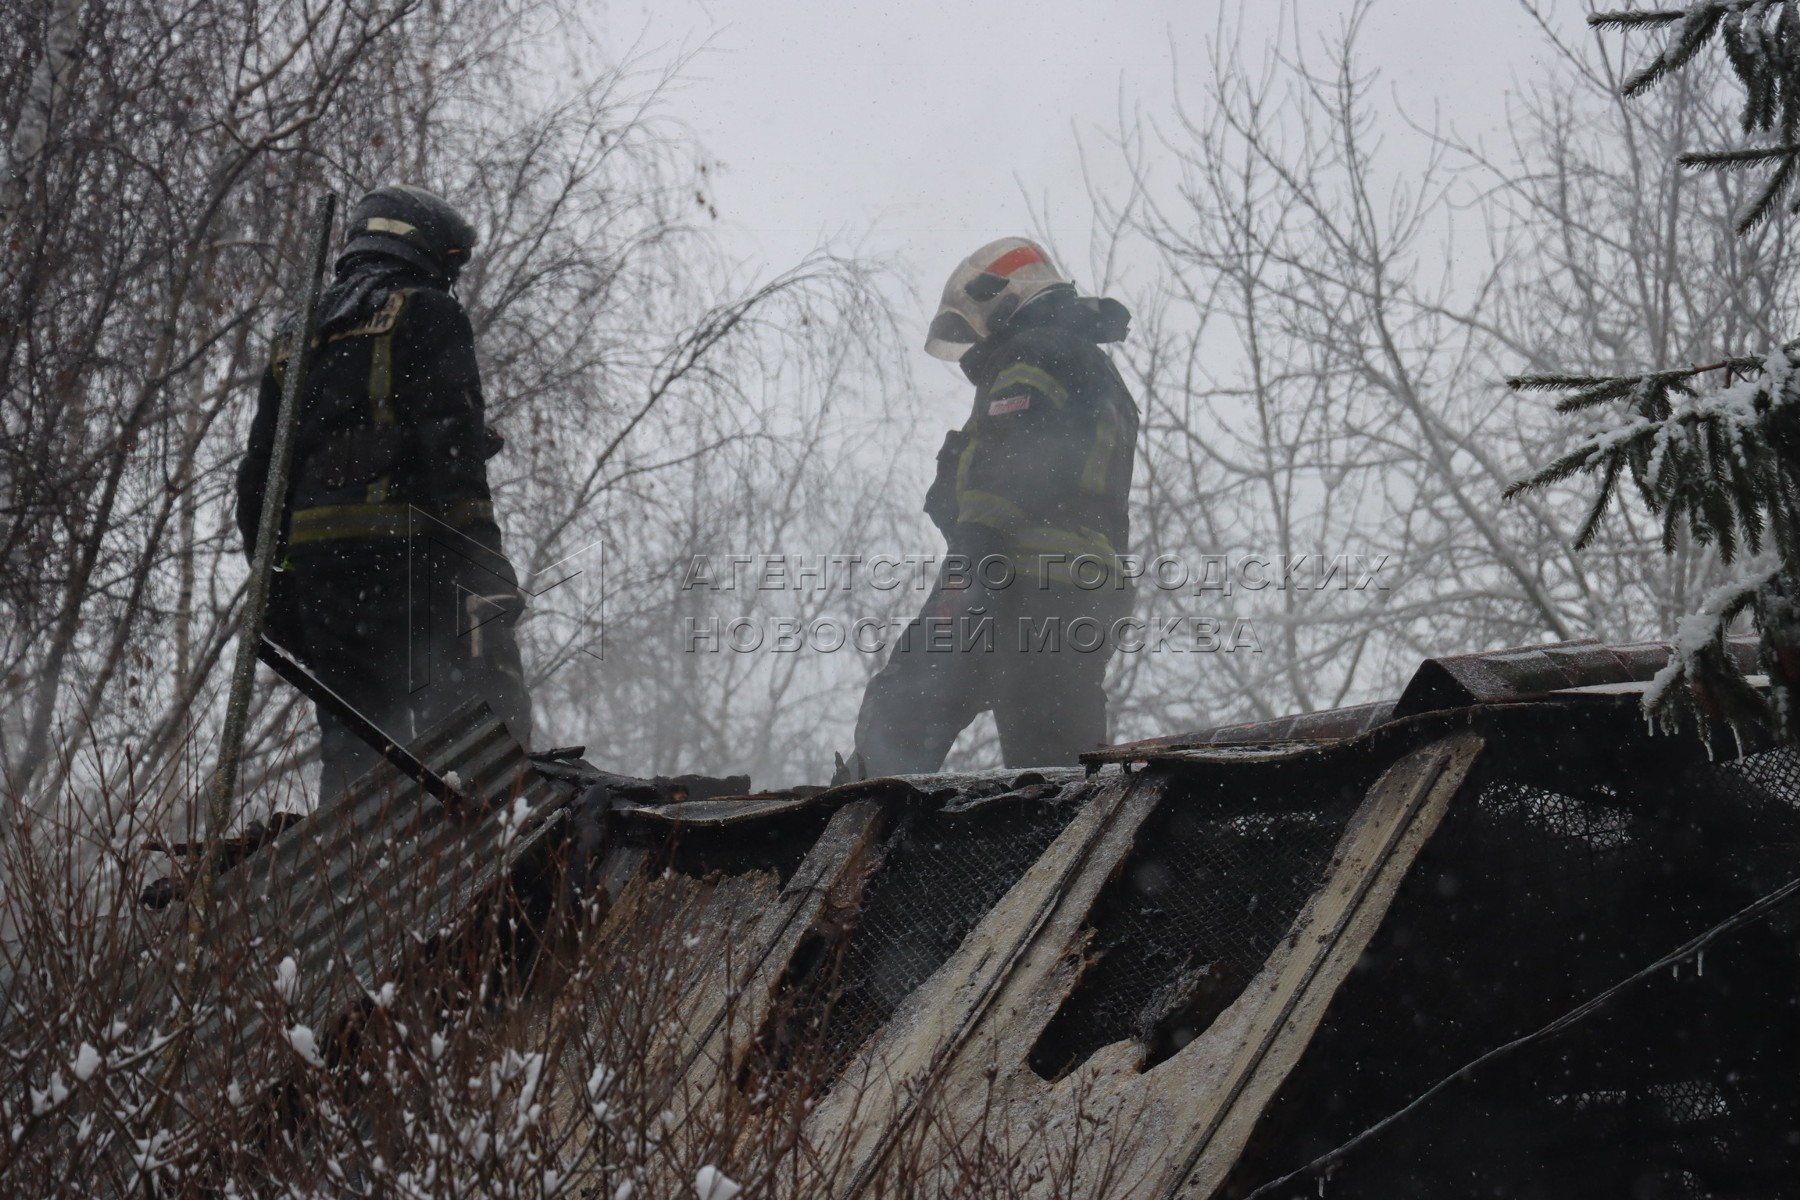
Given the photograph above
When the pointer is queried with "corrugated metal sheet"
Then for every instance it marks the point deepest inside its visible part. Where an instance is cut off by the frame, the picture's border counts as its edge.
(362, 883)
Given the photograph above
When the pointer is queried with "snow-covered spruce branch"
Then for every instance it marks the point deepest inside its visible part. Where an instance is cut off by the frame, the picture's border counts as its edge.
(1723, 464)
(1761, 41)
(1701, 681)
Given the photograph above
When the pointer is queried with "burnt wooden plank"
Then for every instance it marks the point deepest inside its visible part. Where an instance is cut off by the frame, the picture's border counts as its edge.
(1282, 1007)
(720, 1029)
(1190, 1116)
(711, 952)
(923, 1057)
(960, 1045)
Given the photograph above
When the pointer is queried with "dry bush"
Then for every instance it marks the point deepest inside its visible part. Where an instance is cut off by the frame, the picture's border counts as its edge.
(544, 1048)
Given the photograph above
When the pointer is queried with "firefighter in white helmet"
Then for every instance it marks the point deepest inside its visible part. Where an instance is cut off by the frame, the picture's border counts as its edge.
(1032, 497)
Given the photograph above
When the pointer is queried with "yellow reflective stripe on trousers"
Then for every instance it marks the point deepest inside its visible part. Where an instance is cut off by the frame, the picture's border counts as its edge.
(999, 513)
(1050, 554)
(1036, 378)
(331, 522)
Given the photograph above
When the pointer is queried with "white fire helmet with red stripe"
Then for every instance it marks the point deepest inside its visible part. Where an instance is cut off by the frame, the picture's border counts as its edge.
(986, 288)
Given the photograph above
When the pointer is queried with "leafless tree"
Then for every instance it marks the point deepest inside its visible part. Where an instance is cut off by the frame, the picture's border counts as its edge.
(1321, 360)
(152, 227)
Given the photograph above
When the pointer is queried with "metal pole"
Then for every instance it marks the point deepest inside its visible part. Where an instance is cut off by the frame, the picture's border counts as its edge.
(268, 533)
(223, 785)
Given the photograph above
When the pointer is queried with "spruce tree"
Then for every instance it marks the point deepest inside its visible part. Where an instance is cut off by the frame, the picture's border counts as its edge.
(1761, 41)
(1714, 451)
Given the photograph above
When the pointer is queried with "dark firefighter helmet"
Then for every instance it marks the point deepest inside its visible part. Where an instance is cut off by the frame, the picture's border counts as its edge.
(410, 224)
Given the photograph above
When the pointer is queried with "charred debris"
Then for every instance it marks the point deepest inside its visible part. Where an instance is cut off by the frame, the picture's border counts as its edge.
(1254, 949)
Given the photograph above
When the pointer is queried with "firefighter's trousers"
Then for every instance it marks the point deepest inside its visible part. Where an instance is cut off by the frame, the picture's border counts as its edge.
(405, 638)
(1041, 673)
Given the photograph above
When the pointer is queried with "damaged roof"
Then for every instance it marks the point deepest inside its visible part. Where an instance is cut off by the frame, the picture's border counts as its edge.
(1238, 946)
(1507, 676)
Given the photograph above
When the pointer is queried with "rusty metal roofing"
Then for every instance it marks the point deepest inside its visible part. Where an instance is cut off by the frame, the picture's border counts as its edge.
(1505, 676)
(1526, 672)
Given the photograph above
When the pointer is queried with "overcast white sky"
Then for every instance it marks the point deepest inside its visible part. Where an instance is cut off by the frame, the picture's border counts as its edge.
(915, 130)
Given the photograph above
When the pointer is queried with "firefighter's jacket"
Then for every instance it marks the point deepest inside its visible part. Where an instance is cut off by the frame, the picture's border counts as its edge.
(1041, 472)
(393, 418)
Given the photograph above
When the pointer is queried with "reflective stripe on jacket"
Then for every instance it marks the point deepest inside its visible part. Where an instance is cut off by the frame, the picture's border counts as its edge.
(331, 522)
(393, 418)
(1046, 458)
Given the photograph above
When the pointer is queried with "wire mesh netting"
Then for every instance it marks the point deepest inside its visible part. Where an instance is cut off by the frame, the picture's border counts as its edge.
(941, 875)
(1214, 885)
(1537, 893)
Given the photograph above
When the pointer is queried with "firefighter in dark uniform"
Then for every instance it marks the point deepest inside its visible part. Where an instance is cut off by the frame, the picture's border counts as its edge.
(1032, 498)
(394, 590)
